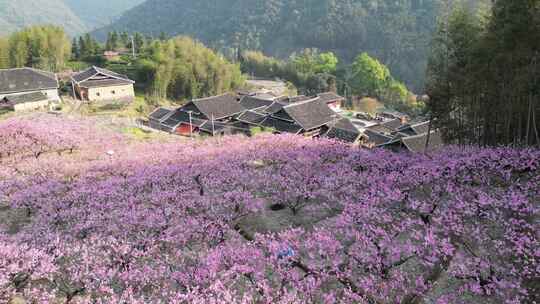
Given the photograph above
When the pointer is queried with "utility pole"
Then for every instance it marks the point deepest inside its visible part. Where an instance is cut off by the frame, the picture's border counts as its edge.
(190, 126)
(133, 46)
(213, 129)
(426, 147)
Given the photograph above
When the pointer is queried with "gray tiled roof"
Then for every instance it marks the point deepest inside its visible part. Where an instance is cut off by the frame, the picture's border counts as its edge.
(343, 130)
(343, 135)
(376, 137)
(93, 71)
(159, 113)
(274, 107)
(30, 97)
(251, 103)
(217, 107)
(394, 114)
(417, 143)
(212, 128)
(310, 114)
(293, 99)
(179, 116)
(252, 117)
(281, 126)
(414, 129)
(330, 97)
(26, 79)
(393, 124)
(421, 128)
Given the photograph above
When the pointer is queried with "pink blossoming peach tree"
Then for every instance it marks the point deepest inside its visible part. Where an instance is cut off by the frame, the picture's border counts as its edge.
(169, 222)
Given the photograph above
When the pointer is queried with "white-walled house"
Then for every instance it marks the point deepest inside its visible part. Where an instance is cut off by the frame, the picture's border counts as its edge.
(22, 81)
(98, 84)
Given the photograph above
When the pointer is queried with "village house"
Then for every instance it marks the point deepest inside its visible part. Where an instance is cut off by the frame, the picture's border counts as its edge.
(98, 84)
(393, 135)
(111, 55)
(230, 114)
(253, 103)
(374, 139)
(25, 102)
(333, 100)
(27, 89)
(342, 130)
(157, 117)
(416, 143)
(211, 115)
(403, 118)
(261, 94)
(414, 129)
(305, 117)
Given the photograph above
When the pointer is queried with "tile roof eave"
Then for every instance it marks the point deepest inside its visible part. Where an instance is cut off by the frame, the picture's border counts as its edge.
(104, 86)
(32, 90)
(98, 70)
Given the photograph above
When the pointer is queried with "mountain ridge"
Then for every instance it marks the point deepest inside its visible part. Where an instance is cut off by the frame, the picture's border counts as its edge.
(396, 33)
(99, 13)
(16, 14)
(75, 16)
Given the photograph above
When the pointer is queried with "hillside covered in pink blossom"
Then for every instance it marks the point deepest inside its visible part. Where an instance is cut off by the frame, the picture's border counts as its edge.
(88, 215)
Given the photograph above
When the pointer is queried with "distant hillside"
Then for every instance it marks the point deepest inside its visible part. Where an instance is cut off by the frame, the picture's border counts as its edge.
(396, 32)
(16, 14)
(98, 13)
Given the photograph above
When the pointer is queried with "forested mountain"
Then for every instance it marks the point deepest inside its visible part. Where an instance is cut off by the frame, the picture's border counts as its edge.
(16, 14)
(396, 32)
(97, 13)
(484, 77)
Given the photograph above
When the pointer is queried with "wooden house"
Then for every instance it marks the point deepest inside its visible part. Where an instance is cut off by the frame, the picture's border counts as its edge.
(403, 118)
(342, 130)
(157, 117)
(209, 115)
(416, 143)
(305, 117)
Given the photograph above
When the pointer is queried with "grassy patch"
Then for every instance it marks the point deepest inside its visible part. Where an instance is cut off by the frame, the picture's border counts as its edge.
(137, 108)
(260, 130)
(5, 111)
(138, 133)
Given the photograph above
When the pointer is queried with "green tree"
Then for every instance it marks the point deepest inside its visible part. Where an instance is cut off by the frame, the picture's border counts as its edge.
(92, 47)
(369, 76)
(326, 63)
(483, 74)
(125, 39)
(19, 53)
(162, 36)
(310, 61)
(75, 51)
(113, 41)
(45, 47)
(183, 68)
(4, 53)
(138, 38)
(83, 49)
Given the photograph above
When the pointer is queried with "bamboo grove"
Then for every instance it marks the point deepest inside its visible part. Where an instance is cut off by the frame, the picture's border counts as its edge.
(483, 74)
